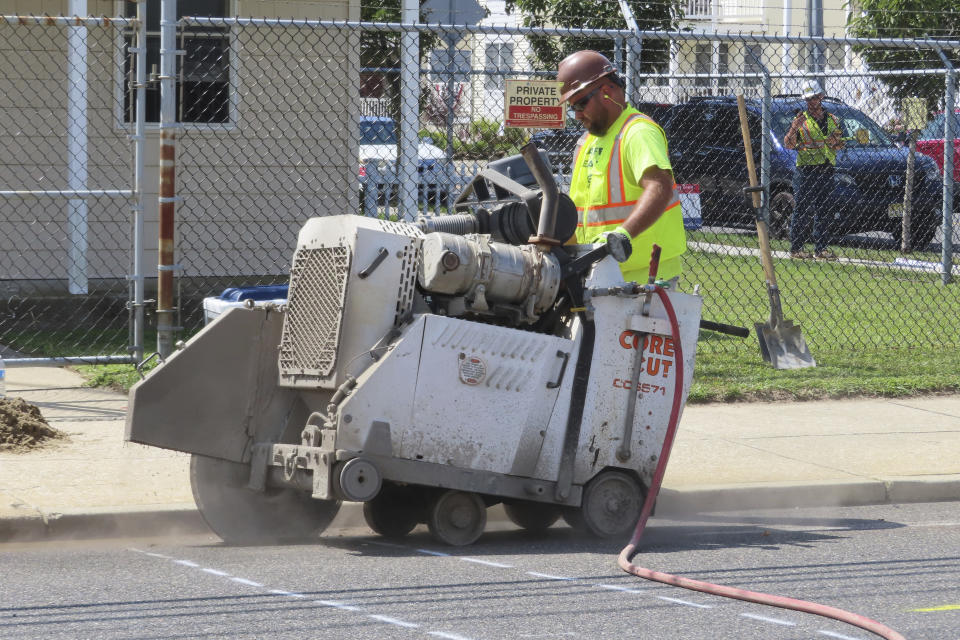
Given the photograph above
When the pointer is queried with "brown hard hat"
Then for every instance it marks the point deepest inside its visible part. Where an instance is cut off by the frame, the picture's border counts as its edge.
(581, 69)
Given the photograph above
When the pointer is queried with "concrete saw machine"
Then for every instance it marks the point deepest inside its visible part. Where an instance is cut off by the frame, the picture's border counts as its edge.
(430, 371)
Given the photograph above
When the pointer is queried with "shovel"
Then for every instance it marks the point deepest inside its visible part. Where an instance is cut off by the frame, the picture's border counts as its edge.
(781, 343)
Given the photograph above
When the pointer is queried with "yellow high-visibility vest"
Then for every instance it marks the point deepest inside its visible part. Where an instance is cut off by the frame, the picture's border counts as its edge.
(620, 196)
(812, 147)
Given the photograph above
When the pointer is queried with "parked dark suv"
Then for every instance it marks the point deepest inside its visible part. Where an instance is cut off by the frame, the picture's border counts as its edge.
(560, 143)
(706, 148)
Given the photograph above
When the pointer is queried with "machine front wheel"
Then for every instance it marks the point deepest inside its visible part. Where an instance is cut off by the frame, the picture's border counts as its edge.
(394, 512)
(611, 504)
(457, 518)
(532, 516)
(240, 515)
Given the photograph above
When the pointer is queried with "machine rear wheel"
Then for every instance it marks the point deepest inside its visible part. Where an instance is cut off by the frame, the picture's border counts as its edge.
(781, 212)
(394, 512)
(532, 516)
(611, 504)
(574, 517)
(923, 226)
(457, 518)
(242, 516)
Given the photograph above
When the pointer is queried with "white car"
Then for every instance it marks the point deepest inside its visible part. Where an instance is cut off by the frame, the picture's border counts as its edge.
(378, 142)
(378, 153)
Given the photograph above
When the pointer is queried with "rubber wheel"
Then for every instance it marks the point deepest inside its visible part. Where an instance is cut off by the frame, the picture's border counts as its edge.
(394, 512)
(923, 226)
(781, 212)
(532, 516)
(573, 517)
(242, 516)
(457, 518)
(611, 504)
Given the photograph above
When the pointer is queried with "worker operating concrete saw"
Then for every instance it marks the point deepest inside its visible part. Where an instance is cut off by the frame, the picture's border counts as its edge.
(430, 371)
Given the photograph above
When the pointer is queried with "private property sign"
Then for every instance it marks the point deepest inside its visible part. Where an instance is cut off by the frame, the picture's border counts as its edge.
(533, 103)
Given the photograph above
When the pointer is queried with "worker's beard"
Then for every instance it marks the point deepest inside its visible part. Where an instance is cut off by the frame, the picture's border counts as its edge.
(595, 126)
(595, 129)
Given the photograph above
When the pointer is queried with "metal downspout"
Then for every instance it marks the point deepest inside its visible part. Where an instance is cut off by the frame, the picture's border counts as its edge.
(168, 154)
(949, 108)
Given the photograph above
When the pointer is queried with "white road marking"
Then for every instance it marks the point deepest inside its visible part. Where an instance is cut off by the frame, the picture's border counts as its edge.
(247, 582)
(834, 634)
(326, 603)
(686, 602)
(548, 576)
(614, 587)
(434, 553)
(785, 623)
(337, 605)
(499, 565)
(399, 623)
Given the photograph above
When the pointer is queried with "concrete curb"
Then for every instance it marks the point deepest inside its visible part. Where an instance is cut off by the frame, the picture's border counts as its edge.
(103, 523)
(184, 519)
(853, 493)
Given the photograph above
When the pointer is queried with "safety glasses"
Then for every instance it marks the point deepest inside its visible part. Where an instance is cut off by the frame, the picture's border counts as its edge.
(581, 104)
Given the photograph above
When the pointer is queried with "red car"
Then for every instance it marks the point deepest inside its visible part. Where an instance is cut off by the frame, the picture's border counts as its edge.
(930, 142)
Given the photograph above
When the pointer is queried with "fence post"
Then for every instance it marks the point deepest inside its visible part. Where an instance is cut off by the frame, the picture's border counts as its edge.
(168, 155)
(407, 159)
(77, 137)
(765, 138)
(140, 115)
(634, 49)
(949, 108)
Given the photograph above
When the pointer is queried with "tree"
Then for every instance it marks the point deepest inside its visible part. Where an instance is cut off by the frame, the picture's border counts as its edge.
(936, 19)
(596, 14)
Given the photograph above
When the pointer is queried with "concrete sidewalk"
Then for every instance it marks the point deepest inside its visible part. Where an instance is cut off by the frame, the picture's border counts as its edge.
(726, 456)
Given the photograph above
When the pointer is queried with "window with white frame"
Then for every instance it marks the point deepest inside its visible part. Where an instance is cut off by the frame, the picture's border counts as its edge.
(752, 55)
(203, 71)
(444, 62)
(703, 62)
(498, 63)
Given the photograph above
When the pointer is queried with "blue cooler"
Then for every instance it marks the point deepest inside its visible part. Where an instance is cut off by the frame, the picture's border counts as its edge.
(237, 297)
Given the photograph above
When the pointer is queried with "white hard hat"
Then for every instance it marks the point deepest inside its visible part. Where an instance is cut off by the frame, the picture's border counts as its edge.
(810, 89)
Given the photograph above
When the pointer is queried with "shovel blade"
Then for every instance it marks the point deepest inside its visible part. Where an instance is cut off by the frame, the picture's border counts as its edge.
(783, 346)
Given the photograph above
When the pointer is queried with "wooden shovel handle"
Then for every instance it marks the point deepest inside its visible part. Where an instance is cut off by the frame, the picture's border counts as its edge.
(752, 176)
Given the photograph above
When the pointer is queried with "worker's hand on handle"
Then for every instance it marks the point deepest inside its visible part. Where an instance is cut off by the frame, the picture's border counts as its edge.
(619, 244)
(835, 141)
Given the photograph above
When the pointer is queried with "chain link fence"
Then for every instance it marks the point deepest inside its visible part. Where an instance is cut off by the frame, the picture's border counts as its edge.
(320, 111)
(66, 170)
(281, 120)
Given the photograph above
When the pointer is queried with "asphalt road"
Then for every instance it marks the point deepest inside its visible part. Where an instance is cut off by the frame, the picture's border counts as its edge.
(897, 564)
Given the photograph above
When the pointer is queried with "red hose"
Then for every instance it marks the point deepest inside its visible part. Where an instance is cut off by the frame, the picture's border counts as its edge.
(696, 585)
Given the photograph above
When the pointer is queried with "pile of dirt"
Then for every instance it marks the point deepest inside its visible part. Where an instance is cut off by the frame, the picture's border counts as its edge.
(22, 428)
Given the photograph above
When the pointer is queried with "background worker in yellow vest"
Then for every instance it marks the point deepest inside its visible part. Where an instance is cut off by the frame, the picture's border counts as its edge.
(817, 135)
(622, 178)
